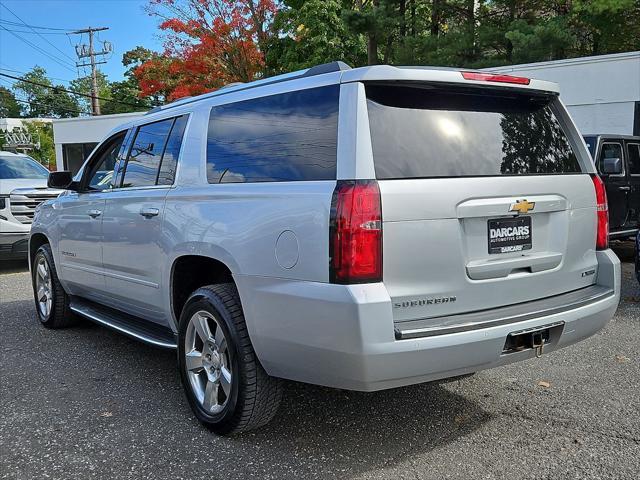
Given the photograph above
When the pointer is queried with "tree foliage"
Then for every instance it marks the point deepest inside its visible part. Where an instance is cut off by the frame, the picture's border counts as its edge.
(9, 106)
(209, 43)
(43, 98)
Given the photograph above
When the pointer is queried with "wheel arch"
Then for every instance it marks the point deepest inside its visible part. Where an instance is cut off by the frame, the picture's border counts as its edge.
(189, 272)
(36, 240)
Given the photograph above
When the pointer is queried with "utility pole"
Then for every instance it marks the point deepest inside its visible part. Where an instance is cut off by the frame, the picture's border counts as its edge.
(88, 51)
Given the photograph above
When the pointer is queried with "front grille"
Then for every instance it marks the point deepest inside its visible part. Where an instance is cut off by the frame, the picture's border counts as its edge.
(23, 206)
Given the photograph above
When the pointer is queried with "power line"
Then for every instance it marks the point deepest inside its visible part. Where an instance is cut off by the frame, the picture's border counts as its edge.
(34, 31)
(50, 56)
(60, 89)
(9, 22)
(22, 72)
(50, 105)
(42, 33)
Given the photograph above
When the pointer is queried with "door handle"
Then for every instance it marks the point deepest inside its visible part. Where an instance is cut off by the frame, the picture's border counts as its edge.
(624, 189)
(149, 212)
(94, 213)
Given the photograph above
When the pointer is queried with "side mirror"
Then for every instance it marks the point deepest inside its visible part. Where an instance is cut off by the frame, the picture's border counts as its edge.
(612, 166)
(61, 180)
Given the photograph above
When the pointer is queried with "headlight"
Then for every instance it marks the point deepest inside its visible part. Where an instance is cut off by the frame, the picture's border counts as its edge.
(3, 201)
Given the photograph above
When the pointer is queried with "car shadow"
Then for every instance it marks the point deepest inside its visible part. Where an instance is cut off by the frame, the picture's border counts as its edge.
(321, 431)
(13, 266)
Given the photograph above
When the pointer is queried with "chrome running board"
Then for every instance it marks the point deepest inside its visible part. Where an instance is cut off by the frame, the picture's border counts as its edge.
(129, 325)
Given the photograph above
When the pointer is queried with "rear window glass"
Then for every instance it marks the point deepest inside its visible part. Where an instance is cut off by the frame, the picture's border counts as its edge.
(634, 158)
(433, 131)
(285, 137)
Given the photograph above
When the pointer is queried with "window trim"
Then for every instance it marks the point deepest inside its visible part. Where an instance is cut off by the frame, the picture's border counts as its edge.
(623, 159)
(629, 143)
(135, 130)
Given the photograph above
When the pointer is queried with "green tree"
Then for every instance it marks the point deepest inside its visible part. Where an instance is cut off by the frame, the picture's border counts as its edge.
(83, 85)
(9, 106)
(313, 32)
(46, 154)
(45, 99)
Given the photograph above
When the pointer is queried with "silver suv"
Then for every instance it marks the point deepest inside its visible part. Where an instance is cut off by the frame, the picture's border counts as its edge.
(361, 229)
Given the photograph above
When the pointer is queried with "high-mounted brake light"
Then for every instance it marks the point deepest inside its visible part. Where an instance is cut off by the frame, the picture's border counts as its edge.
(355, 239)
(602, 211)
(495, 77)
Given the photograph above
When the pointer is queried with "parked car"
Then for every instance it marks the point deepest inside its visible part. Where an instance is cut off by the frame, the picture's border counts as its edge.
(362, 229)
(617, 158)
(23, 185)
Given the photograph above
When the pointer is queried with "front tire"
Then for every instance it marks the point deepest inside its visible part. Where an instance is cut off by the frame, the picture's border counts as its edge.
(52, 302)
(227, 388)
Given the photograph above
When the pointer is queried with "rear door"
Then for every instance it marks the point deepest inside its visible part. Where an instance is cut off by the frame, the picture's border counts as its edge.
(133, 247)
(633, 169)
(616, 184)
(485, 202)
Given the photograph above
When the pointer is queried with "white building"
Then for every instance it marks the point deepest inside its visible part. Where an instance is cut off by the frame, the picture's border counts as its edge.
(75, 138)
(602, 93)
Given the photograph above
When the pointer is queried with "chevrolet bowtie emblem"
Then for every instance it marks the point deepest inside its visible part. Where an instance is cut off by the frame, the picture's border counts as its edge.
(522, 206)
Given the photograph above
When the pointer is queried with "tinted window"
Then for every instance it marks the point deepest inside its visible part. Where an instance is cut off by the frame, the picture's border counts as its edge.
(21, 167)
(634, 158)
(610, 150)
(591, 145)
(171, 152)
(432, 131)
(154, 153)
(284, 137)
(144, 159)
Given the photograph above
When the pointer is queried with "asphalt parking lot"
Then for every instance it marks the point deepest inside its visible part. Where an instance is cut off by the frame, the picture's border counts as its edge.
(87, 403)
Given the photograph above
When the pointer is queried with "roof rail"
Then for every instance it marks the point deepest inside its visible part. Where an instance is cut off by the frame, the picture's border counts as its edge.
(240, 86)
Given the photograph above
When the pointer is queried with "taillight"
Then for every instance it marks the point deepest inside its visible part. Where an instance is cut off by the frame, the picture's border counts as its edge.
(355, 240)
(495, 77)
(602, 210)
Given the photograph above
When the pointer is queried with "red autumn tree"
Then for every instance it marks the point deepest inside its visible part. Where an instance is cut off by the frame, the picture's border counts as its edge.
(207, 44)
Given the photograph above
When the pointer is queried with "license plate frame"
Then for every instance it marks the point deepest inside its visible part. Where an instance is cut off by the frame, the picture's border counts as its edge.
(509, 235)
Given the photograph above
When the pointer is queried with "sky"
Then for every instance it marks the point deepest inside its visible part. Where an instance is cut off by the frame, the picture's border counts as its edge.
(129, 26)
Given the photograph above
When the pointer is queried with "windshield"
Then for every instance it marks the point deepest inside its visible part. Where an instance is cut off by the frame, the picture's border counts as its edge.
(21, 167)
(421, 131)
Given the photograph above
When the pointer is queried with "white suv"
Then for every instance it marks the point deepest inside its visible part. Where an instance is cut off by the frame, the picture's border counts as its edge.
(356, 228)
(23, 185)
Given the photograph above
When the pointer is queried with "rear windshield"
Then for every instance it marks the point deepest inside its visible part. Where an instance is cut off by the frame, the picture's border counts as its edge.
(432, 131)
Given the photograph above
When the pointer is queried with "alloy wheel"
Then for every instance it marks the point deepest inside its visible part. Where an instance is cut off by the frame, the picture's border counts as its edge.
(44, 290)
(207, 361)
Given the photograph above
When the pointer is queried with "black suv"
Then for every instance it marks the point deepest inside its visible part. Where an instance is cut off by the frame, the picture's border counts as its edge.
(617, 158)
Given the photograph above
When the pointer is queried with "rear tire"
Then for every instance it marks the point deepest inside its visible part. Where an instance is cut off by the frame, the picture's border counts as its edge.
(52, 302)
(227, 388)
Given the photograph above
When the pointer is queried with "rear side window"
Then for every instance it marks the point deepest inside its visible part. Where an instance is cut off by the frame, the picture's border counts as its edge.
(634, 158)
(153, 156)
(435, 131)
(610, 150)
(285, 137)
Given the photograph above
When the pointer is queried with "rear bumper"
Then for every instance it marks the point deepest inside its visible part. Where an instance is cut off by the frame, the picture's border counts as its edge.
(343, 336)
